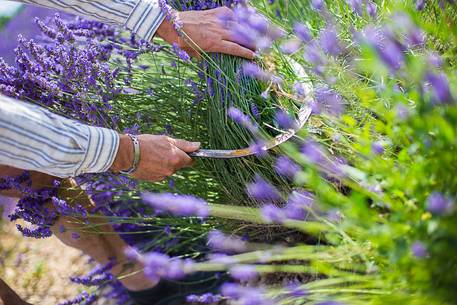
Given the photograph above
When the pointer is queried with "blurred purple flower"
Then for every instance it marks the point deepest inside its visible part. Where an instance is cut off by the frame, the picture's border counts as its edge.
(438, 204)
(243, 272)
(179, 205)
(286, 167)
(377, 148)
(180, 53)
(392, 54)
(298, 205)
(291, 46)
(259, 148)
(207, 298)
(327, 101)
(334, 215)
(299, 89)
(356, 6)
(239, 117)
(372, 9)
(261, 190)
(272, 214)
(218, 241)
(419, 250)
(440, 85)
(317, 4)
(302, 32)
(158, 266)
(402, 112)
(284, 120)
(420, 4)
(253, 70)
(294, 289)
(434, 59)
(329, 41)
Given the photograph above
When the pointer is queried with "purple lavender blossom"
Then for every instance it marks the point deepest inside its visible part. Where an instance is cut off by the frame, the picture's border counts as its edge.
(402, 112)
(263, 191)
(327, 101)
(356, 6)
(334, 215)
(284, 120)
(377, 148)
(419, 250)
(158, 265)
(259, 148)
(439, 83)
(434, 59)
(218, 241)
(239, 117)
(286, 167)
(299, 89)
(298, 205)
(207, 298)
(253, 70)
(179, 205)
(245, 295)
(295, 289)
(392, 54)
(372, 9)
(420, 4)
(317, 4)
(329, 41)
(290, 46)
(302, 32)
(438, 204)
(272, 214)
(180, 53)
(243, 272)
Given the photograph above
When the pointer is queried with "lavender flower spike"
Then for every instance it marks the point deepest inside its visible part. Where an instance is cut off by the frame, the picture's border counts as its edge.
(179, 205)
(262, 190)
(438, 204)
(220, 242)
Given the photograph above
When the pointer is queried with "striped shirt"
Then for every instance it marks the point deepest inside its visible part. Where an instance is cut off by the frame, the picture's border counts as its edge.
(33, 138)
(141, 17)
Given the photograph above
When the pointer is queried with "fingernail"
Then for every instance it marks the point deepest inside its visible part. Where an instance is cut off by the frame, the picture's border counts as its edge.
(196, 143)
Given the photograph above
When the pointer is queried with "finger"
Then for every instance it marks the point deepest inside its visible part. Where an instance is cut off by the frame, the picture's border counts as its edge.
(186, 146)
(184, 160)
(231, 48)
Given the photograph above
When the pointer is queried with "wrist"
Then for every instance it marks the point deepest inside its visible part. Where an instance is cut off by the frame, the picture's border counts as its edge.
(167, 30)
(125, 155)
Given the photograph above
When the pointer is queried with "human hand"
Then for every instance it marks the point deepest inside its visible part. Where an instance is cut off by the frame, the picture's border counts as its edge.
(206, 33)
(160, 156)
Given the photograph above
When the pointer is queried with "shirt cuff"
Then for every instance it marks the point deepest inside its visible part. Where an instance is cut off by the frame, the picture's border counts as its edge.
(101, 150)
(145, 19)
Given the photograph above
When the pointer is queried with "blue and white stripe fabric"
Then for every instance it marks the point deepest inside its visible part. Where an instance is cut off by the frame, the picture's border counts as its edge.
(32, 138)
(141, 17)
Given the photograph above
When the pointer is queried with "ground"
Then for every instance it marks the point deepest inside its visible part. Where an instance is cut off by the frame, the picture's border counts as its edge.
(39, 270)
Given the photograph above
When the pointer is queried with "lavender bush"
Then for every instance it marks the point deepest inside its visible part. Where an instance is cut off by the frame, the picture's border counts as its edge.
(370, 184)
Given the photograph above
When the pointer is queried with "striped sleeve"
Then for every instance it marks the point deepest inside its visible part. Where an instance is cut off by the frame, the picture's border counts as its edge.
(142, 17)
(33, 138)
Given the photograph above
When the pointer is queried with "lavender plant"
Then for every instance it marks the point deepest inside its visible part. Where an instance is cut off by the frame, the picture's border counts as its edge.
(373, 198)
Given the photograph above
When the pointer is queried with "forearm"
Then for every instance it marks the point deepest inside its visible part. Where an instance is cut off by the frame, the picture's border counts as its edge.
(32, 138)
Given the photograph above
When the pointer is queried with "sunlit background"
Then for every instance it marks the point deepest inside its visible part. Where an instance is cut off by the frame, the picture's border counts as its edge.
(17, 19)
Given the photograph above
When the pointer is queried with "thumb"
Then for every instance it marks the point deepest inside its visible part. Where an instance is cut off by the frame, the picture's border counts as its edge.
(187, 146)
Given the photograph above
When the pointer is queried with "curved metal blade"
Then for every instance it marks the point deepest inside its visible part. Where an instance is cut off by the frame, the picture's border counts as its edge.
(303, 115)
